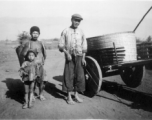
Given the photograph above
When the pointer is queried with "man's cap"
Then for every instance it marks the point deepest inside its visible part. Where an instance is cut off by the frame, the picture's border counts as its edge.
(31, 50)
(34, 28)
(77, 16)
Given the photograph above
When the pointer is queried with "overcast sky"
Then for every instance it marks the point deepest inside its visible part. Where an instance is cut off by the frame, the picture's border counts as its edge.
(100, 17)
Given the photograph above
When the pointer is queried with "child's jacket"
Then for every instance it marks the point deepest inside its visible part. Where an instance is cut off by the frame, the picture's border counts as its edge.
(28, 71)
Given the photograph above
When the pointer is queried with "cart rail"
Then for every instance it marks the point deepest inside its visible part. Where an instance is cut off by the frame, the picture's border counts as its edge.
(129, 63)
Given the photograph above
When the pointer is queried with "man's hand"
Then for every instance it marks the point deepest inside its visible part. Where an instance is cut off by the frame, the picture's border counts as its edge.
(68, 56)
(84, 62)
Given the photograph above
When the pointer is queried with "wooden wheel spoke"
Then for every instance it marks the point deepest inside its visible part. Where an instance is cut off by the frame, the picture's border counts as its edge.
(94, 75)
(92, 78)
(88, 73)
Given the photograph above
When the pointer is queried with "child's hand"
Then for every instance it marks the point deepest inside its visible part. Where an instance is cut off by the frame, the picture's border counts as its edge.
(20, 73)
(21, 80)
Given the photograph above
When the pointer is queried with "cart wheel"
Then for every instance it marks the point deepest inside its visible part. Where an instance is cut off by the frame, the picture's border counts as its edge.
(133, 76)
(93, 76)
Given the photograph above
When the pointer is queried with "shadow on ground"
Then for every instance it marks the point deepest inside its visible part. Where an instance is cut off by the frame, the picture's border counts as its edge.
(15, 89)
(149, 66)
(139, 100)
(51, 89)
(58, 78)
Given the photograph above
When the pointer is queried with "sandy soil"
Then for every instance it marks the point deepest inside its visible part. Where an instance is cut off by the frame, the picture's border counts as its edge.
(115, 100)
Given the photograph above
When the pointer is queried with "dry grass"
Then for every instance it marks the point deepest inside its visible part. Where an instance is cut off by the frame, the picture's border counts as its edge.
(24, 37)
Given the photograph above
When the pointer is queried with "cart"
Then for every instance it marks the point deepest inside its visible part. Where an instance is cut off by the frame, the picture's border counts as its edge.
(109, 61)
(131, 72)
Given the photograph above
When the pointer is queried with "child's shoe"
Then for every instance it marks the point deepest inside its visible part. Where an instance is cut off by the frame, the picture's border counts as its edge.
(42, 97)
(33, 98)
(30, 105)
(25, 106)
(78, 100)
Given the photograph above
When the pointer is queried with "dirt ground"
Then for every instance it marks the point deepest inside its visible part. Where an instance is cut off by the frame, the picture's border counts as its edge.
(115, 100)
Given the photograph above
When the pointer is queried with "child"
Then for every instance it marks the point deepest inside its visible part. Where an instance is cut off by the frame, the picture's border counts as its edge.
(35, 44)
(28, 73)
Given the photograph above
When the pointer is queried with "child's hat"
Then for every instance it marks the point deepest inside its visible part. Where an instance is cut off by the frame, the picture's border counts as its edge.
(34, 28)
(33, 51)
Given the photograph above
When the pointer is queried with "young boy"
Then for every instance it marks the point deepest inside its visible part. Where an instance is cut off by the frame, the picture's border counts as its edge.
(28, 72)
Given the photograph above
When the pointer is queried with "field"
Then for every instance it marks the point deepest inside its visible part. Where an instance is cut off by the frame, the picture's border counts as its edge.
(114, 101)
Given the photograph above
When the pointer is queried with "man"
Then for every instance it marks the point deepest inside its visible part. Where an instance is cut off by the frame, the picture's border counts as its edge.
(40, 59)
(73, 44)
